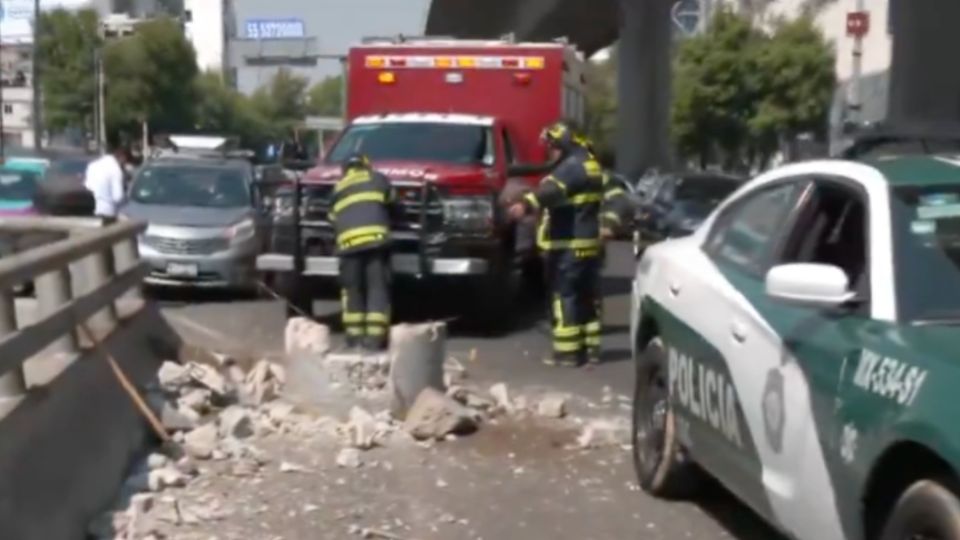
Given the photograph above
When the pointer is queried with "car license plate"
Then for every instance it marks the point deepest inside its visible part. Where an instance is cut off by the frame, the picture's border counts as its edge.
(182, 270)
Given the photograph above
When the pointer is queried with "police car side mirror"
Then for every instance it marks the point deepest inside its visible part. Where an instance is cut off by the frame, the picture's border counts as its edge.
(809, 284)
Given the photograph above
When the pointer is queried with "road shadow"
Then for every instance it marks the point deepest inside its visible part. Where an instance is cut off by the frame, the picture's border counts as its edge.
(734, 516)
(189, 295)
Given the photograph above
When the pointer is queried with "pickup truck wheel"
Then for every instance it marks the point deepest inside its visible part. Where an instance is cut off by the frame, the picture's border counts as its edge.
(660, 463)
(927, 510)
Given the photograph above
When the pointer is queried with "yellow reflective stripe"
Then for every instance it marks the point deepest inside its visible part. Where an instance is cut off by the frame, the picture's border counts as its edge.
(558, 311)
(615, 192)
(592, 341)
(542, 231)
(554, 180)
(351, 179)
(586, 198)
(567, 346)
(355, 330)
(612, 216)
(376, 331)
(592, 327)
(532, 199)
(382, 318)
(592, 167)
(366, 196)
(566, 332)
(591, 243)
(349, 317)
(357, 232)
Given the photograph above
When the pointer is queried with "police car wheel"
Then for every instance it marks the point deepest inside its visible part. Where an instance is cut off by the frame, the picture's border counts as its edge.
(927, 510)
(658, 460)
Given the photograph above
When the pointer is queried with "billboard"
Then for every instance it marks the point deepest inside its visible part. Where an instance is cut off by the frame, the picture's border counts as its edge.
(274, 28)
(16, 21)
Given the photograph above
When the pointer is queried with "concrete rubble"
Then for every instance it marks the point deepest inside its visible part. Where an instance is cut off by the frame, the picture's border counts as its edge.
(220, 413)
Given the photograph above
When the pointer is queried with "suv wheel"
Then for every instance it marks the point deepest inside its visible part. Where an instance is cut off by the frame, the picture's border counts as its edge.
(927, 510)
(660, 463)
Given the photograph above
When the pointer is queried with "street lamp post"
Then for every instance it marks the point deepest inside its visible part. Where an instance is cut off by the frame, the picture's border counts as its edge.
(37, 124)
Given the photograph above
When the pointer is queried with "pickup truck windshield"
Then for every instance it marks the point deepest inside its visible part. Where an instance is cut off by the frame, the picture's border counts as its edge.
(417, 141)
(926, 241)
(191, 185)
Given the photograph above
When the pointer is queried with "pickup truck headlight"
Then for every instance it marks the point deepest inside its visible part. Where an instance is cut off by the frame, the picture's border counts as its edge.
(473, 214)
(242, 231)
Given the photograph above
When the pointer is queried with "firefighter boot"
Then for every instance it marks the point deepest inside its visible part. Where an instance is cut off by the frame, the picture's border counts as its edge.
(565, 359)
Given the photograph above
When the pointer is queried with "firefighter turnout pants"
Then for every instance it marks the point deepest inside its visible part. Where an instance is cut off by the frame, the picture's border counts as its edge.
(574, 277)
(365, 296)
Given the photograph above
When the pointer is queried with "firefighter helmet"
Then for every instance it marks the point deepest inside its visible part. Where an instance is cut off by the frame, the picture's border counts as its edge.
(564, 136)
(356, 160)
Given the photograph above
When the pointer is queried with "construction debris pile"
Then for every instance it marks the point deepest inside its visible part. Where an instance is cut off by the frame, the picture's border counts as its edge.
(217, 411)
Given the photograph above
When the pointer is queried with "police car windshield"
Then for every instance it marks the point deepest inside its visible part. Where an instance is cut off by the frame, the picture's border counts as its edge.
(460, 144)
(926, 241)
(191, 185)
(16, 185)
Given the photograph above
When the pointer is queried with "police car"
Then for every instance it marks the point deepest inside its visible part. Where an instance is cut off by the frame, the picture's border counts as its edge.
(803, 348)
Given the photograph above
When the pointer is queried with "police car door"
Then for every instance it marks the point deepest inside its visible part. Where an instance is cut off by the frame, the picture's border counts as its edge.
(787, 358)
(709, 380)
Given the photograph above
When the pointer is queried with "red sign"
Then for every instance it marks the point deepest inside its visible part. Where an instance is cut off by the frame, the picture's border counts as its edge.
(858, 23)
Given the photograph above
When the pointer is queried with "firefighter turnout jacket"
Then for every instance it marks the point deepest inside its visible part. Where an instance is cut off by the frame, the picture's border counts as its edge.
(576, 199)
(359, 211)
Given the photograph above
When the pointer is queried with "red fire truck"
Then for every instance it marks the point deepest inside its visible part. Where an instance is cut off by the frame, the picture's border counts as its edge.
(452, 123)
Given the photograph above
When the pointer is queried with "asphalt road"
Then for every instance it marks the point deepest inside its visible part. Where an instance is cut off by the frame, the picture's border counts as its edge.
(255, 326)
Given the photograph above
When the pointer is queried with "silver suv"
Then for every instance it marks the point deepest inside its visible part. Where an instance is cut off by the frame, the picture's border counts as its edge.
(204, 225)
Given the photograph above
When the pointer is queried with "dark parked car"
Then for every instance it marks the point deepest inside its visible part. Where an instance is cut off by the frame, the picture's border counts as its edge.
(674, 205)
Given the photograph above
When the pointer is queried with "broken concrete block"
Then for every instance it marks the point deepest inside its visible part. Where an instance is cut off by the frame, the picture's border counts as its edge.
(349, 458)
(175, 419)
(236, 423)
(173, 375)
(196, 399)
(279, 412)
(361, 429)
(157, 461)
(434, 416)
(417, 352)
(603, 432)
(305, 335)
(552, 406)
(501, 396)
(210, 378)
(201, 442)
(161, 479)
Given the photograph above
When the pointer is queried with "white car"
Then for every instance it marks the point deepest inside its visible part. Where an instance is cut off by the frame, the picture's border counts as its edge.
(803, 348)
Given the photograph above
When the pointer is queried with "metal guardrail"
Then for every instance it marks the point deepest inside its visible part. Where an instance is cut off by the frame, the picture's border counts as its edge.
(77, 278)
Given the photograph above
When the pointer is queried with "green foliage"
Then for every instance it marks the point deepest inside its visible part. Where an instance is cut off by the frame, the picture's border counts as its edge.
(325, 98)
(282, 102)
(221, 109)
(150, 76)
(740, 92)
(67, 43)
(601, 105)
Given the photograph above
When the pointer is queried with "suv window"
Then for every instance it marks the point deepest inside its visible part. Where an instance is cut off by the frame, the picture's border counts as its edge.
(833, 230)
(744, 234)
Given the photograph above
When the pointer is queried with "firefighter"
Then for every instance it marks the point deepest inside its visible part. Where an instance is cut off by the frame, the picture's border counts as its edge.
(361, 218)
(578, 207)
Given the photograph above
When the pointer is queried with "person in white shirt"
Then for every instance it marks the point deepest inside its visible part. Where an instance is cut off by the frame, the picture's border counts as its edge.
(104, 178)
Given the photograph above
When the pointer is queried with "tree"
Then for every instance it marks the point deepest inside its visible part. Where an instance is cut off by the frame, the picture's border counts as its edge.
(601, 105)
(740, 93)
(151, 76)
(798, 84)
(326, 97)
(282, 101)
(716, 89)
(67, 44)
(221, 109)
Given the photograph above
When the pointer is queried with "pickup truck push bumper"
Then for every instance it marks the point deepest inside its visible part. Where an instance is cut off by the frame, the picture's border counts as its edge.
(402, 263)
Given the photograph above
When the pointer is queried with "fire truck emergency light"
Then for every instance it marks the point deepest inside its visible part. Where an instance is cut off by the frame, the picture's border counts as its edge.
(522, 79)
(386, 77)
(454, 77)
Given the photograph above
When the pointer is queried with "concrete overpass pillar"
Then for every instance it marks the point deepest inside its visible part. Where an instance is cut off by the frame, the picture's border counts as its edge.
(643, 88)
(924, 84)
